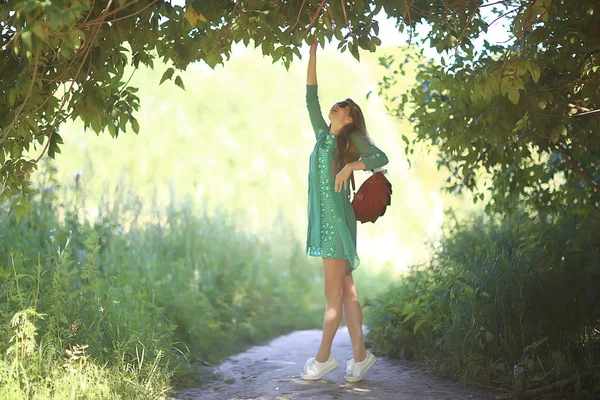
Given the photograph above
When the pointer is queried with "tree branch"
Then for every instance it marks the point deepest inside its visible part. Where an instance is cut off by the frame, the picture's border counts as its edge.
(224, 41)
(577, 167)
(533, 393)
(18, 113)
(346, 16)
(299, 13)
(314, 19)
(88, 50)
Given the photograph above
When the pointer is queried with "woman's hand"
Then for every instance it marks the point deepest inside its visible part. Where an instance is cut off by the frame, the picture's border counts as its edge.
(341, 179)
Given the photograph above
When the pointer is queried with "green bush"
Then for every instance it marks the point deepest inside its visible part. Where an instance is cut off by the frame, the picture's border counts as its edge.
(514, 302)
(128, 303)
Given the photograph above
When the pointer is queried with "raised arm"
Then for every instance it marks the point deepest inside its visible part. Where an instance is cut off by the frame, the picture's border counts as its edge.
(312, 99)
(311, 76)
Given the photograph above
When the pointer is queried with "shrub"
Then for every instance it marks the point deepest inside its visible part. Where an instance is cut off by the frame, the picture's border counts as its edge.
(514, 302)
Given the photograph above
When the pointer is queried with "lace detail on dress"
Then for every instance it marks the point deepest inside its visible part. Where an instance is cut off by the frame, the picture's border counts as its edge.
(328, 230)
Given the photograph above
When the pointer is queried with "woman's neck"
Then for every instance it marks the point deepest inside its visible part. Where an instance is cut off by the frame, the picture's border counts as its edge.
(336, 129)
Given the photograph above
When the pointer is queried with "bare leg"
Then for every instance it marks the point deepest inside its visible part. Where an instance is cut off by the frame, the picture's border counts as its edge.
(353, 314)
(334, 270)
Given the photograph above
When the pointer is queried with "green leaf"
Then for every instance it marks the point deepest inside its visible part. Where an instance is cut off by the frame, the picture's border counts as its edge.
(113, 130)
(179, 82)
(418, 325)
(167, 75)
(53, 147)
(494, 81)
(20, 210)
(505, 85)
(487, 93)
(513, 95)
(192, 16)
(354, 50)
(558, 131)
(135, 125)
(39, 31)
(26, 38)
(534, 70)
(522, 67)
(488, 336)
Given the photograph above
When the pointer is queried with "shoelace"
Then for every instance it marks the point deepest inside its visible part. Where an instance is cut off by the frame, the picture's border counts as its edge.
(350, 367)
(309, 366)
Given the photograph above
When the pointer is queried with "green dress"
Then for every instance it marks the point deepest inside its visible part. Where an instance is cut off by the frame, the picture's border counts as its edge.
(331, 221)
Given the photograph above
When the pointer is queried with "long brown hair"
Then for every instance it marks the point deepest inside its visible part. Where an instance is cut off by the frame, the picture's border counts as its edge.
(346, 152)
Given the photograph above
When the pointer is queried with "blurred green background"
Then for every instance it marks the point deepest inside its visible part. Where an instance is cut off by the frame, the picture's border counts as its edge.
(238, 138)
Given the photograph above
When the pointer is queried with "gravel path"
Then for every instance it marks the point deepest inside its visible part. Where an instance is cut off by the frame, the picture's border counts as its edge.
(273, 371)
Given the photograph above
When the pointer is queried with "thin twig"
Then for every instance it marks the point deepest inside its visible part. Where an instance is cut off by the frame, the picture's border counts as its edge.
(81, 51)
(18, 113)
(407, 12)
(331, 16)
(91, 41)
(462, 35)
(577, 166)
(580, 108)
(346, 16)
(493, 4)
(11, 39)
(505, 14)
(102, 17)
(132, 14)
(585, 113)
(299, 13)
(314, 19)
(533, 393)
(91, 8)
(437, 387)
(224, 41)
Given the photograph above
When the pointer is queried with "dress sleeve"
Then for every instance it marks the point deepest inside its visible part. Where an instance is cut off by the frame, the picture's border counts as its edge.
(370, 154)
(314, 110)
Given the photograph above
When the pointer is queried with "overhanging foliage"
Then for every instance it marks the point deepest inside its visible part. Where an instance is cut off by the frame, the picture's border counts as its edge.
(524, 111)
(67, 59)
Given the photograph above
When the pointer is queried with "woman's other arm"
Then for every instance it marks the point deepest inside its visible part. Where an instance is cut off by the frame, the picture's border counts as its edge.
(371, 156)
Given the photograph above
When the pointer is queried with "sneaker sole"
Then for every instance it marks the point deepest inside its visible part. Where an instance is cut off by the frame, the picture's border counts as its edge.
(370, 362)
(322, 374)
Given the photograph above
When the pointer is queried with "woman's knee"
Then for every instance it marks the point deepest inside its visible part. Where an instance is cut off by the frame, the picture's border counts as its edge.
(349, 291)
(349, 295)
(333, 293)
(334, 279)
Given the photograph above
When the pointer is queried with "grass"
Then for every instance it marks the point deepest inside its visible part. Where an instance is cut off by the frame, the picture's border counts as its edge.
(135, 300)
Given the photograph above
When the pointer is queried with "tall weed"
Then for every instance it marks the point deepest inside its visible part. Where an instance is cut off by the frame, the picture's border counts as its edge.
(132, 301)
(512, 302)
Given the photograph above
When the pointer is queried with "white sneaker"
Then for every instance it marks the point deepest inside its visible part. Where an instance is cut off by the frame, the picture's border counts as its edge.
(314, 370)
(355, 371)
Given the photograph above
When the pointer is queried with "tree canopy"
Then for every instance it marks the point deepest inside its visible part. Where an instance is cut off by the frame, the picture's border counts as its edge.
(520, 116)
(493, 108)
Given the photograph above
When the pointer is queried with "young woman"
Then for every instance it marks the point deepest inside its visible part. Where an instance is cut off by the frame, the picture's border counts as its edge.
(341, 147)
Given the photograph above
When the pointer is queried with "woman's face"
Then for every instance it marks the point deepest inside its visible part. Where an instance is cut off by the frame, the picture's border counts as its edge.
(340, 113)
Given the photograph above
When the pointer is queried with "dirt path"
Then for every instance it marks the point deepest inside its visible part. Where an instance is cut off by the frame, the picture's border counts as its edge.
(273, 372)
